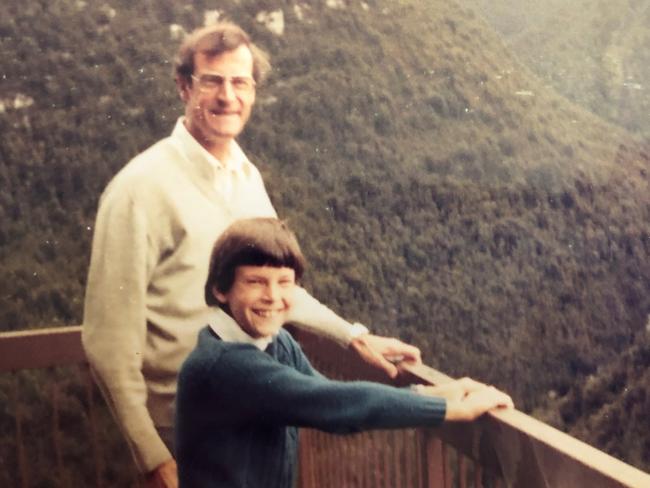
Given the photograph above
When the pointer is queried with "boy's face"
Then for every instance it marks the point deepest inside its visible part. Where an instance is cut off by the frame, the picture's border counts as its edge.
(260, 298)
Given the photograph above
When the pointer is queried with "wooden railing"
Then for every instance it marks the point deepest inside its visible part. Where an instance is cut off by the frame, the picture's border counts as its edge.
(506, 448)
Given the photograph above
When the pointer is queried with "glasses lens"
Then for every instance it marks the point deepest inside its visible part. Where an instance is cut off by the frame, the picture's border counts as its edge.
(213, 82)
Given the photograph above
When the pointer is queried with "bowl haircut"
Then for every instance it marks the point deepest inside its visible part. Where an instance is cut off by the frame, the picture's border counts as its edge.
(251, 242)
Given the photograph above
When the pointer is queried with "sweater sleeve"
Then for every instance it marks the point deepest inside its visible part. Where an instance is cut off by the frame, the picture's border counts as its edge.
(278, 394)
(115, 326)
(310, 314)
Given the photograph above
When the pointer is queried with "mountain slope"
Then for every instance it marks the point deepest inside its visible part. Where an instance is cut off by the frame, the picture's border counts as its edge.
(592, 51)
(610, 409)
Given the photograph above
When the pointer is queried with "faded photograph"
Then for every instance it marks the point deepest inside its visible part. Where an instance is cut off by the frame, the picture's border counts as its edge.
(469, 182)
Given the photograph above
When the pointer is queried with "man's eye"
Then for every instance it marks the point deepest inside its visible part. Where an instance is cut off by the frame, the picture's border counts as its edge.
(239, 82)
(211, 81)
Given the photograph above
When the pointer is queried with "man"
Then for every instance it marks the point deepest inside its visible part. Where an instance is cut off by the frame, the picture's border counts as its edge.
(156, 223)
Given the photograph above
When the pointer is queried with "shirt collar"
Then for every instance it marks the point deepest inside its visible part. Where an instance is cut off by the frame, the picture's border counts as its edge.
(225, 327)
(194, 151)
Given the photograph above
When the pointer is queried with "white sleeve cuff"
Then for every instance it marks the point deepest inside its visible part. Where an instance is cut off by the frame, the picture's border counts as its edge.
(357, 329)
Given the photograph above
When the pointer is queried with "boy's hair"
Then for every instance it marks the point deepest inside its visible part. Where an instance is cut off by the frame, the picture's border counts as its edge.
(251, 242)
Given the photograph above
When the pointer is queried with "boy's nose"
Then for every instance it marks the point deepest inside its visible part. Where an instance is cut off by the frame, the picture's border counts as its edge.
(272, 292)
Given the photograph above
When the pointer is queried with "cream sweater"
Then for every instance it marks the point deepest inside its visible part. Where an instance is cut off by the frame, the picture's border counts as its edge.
(157, 222)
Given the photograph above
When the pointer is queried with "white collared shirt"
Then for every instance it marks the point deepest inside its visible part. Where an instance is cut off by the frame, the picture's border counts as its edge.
(228, 173)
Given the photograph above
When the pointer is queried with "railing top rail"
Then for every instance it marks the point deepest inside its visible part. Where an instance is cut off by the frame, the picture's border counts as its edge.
(41, 348)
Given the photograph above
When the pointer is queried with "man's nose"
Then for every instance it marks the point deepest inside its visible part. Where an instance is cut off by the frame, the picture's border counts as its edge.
(226, 91)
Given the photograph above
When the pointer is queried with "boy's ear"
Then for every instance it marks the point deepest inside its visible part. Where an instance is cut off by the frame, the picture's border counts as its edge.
(218, 295)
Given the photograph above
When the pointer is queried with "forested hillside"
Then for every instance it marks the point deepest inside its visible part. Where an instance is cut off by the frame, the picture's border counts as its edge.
(610, 409)
(441, 192)
(595, 52)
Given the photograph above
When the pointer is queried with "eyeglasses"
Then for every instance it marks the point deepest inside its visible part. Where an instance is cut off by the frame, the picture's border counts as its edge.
(211, 82)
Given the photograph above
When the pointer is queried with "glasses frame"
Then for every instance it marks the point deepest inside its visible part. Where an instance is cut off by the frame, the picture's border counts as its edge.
(241, 84)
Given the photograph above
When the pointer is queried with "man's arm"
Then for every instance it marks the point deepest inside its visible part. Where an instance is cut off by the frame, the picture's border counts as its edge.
(164, 476)
(115, 322)
(382, 352)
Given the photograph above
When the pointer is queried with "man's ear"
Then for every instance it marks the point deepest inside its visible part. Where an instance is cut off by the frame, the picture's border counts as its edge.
(183, 87)
(221, 297)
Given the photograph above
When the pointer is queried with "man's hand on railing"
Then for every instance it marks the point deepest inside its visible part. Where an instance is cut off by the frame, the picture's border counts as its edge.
(385, 352)
(467, 399)
(164, 476)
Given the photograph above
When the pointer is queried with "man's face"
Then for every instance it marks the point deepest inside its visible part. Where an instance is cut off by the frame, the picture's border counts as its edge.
(215, 115)
(260, 298)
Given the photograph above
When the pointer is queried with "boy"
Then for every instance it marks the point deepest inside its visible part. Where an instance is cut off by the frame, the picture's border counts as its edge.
(247, 385)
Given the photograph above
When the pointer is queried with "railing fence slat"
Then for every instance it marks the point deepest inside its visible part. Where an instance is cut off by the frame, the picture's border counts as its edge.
(420, 459)
(56, 437)
(434, 469)
(92, 425)
(388, 478)
(447, 473)
(23, 472)
(462, 471)
(407, 461)
(478, 475)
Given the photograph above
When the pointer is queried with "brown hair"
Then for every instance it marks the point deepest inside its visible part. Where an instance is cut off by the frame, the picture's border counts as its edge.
(251, 242)
(214, 40)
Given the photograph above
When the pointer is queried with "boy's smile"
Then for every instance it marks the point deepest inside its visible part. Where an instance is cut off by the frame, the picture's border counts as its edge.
(260, 298)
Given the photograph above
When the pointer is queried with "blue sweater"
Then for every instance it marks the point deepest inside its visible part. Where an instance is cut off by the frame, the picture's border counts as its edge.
(238, 410)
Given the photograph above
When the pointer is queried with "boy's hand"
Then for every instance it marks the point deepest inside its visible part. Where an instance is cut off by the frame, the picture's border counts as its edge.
(164, 476)
(384, 352)
(476, 403)
(454, 390)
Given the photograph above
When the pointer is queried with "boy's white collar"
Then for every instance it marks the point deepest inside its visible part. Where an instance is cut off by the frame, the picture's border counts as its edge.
(225, 327)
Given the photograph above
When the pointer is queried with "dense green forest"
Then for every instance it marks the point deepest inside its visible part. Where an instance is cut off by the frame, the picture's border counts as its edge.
(442, 192)
(592, 51)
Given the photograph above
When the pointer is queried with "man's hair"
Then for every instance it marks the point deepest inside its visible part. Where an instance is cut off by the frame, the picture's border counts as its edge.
(213, 40)
(251, 242)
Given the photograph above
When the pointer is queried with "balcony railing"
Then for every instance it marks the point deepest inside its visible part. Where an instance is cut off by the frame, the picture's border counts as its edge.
(47, 446)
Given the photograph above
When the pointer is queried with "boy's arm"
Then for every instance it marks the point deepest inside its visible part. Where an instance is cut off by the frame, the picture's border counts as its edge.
(114, 328)
(309, 313)
(282, 395)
